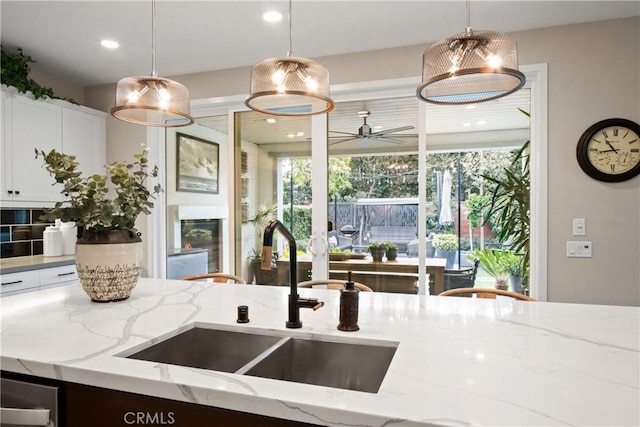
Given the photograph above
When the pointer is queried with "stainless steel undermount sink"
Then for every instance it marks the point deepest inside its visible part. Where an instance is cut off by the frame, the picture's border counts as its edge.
(214, 349)
(355, 365)
(331, 364)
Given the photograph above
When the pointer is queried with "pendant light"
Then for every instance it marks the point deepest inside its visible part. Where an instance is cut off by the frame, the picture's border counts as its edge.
(152, 100)
(289, 86)
(470, 67)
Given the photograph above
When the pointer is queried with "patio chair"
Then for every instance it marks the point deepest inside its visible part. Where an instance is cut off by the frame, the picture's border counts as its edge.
(217, 278)
(465, 278)
(485, 293)
(333, 284)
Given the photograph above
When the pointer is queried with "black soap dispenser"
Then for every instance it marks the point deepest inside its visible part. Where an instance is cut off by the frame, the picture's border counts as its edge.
(349, 306)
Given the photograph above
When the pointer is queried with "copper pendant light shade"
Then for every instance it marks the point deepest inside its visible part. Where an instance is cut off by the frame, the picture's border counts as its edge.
(289, 86)
(152, 100)
(470, 67)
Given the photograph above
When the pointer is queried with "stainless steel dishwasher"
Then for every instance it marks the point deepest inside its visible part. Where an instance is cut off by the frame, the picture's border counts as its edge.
(27, 403)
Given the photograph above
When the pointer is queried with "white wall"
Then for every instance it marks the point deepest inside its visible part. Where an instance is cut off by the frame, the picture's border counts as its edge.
(594, 74)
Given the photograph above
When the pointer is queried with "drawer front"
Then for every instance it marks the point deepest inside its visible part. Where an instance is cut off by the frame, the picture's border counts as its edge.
(51, 276)
(22, 281)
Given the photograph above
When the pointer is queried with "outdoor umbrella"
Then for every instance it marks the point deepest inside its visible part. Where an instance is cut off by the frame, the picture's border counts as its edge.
(446, 216)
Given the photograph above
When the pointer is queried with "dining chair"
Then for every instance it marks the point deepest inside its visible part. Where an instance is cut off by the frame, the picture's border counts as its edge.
(464, 278)
(333, 284)
(485, 293)
(217, 278)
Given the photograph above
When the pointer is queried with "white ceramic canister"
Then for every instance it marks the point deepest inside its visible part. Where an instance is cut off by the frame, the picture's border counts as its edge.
(69, 232)
(52, 240)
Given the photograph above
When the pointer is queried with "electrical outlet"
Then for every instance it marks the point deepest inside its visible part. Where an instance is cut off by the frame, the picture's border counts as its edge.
(579, 249)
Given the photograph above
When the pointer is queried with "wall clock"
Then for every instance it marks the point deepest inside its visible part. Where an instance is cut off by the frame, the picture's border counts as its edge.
(610, 150)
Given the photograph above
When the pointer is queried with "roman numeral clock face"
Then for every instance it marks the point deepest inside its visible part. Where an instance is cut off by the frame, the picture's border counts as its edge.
(610, 150)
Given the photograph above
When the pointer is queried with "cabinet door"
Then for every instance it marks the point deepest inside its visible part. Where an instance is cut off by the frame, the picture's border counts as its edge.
(34, 125)
(6, 179)
(83, 136)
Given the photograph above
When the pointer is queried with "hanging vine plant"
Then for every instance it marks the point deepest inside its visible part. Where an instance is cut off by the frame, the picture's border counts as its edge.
(15, 72)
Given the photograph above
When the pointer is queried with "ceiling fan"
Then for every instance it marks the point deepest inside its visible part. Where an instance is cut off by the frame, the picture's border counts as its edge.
(365, 133)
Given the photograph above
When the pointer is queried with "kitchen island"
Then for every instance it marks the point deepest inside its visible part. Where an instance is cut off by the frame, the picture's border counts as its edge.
(460, 361)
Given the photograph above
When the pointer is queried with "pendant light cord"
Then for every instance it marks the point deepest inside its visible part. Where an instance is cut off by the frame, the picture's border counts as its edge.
(468, 16)
(153, 39)
(290, 53)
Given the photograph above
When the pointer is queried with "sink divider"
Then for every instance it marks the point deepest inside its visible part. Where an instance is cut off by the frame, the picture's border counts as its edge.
(259, 358)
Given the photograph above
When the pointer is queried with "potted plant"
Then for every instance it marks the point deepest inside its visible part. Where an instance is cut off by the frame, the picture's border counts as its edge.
(514, 263)
(109, 249)
(390, 250)
(376, 249)
(259, 221)
(446, 245)
(495, 263)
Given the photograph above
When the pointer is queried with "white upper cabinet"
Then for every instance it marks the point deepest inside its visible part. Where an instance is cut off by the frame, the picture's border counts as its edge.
(35, 125)
(29, 125)
(83, 136)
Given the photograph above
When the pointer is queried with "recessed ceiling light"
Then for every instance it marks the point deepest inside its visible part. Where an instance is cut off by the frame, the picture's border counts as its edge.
(481, 122)
(109, 44)
(299, 133)
(270, 121)
(470, 107)
(377, 127)
(291, 135)
(272, 16)
(467, 124)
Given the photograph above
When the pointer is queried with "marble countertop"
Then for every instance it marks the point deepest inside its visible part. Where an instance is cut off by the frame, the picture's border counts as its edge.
(35, 262)
(460, 361)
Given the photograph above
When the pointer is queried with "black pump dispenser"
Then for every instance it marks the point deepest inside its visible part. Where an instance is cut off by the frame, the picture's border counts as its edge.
(349, 306)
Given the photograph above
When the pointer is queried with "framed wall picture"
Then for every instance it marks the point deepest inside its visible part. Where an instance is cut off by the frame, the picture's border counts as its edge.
(198, 165)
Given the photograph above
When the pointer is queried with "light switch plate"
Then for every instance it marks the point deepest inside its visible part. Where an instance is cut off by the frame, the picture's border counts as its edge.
(579, 249)
(579, 227)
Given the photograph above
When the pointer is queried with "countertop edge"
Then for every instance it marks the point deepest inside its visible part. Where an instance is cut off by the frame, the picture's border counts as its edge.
(38, 262)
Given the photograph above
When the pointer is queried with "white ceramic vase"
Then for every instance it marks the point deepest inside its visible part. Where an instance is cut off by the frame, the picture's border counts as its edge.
(109, 264)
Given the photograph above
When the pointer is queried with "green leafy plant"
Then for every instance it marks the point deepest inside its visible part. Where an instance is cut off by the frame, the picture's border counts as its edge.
(339, 251)
(495, 263)
(509, 206)
(261, 217)
(374, 246)
(389, 245)
(15, 71)
(254, 255)
(445, 242)
(514, 264)
(88, 203)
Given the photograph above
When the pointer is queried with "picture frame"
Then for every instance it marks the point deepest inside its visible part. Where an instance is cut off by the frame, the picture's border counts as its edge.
(197, 165)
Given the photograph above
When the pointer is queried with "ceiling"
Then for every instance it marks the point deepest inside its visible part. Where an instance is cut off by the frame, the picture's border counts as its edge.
(494, 124)
(195, 36)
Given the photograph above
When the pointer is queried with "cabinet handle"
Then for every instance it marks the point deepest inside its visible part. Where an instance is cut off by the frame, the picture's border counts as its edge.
(12, 283)
(66, 274)
(10, 191)
(17, 192)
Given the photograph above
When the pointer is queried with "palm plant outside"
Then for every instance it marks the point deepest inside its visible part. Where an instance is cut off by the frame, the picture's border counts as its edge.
(509, 205)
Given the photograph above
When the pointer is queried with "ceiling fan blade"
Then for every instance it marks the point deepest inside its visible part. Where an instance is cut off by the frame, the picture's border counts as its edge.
(402, 135)
(353, 135)
(344, 133)
(343, 140)
(400, 129)
(385, 139)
